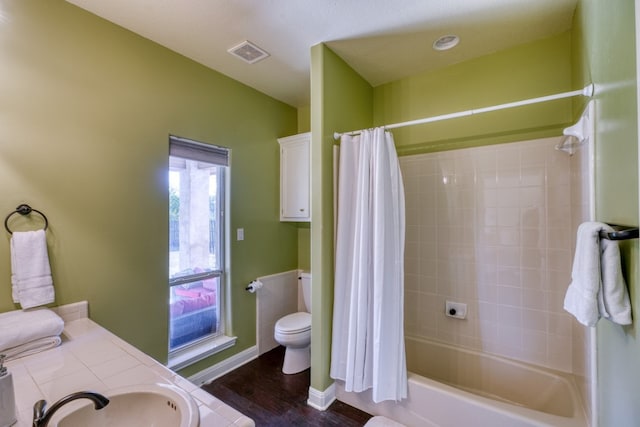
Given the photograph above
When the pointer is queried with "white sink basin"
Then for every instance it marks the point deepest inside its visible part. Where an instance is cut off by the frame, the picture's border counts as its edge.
(148, 405)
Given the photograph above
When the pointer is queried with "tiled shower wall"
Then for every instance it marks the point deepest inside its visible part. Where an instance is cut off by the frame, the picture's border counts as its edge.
(491, 227)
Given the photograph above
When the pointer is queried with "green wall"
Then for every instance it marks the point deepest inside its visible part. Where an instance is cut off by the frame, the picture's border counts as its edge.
(304, 248)
(87, 108)
(605, 53)
(304, 119)
(527, 71)
(304, 229)
(341, 101)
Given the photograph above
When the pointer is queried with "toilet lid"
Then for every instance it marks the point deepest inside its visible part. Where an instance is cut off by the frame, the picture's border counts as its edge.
(295, 322)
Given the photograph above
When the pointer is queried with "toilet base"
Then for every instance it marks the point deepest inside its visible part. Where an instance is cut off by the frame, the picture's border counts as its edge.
(296, 360)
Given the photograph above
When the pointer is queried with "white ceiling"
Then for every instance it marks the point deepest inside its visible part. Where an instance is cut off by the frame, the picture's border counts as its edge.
(383, 40)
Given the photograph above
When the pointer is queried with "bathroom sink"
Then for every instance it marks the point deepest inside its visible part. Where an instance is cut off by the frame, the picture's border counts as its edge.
(157, 405)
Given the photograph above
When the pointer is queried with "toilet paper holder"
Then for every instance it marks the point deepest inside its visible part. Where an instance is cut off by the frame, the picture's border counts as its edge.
(253, 286)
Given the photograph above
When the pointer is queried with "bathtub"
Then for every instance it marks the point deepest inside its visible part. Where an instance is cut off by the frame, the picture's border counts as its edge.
(450, 386)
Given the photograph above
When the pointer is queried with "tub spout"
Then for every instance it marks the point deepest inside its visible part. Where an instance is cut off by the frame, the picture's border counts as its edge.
(42, 416)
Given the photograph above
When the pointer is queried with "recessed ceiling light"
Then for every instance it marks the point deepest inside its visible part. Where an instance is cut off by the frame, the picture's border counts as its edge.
(446, 42)
(248, 52)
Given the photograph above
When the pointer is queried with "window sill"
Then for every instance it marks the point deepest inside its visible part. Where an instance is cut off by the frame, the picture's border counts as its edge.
(192, 354)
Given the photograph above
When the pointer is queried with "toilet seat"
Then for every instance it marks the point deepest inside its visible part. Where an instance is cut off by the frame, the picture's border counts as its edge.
(294, 323)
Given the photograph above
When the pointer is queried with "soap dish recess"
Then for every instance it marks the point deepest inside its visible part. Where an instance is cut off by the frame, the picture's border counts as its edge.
(456, 310)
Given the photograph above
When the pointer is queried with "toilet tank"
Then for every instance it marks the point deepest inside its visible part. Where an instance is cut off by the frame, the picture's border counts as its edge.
(305, 285)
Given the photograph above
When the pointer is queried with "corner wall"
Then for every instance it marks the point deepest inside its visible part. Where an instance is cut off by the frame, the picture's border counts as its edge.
(341, 101)
(604, 53)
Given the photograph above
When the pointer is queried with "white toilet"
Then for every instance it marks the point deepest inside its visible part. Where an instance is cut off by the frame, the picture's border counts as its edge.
(294, 332)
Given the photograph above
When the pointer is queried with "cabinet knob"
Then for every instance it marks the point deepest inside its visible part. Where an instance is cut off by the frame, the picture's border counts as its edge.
(301, 210)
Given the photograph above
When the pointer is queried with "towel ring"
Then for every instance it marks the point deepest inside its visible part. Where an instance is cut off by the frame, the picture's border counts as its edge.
(24, 209)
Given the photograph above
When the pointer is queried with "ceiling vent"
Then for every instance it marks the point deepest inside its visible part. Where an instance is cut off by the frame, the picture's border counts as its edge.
(248, 52)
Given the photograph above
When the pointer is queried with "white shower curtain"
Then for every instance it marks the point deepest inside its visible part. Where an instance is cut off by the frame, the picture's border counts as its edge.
(368, 331)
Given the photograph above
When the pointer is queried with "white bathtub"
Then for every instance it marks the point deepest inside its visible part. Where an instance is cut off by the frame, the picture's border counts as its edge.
(449, 386)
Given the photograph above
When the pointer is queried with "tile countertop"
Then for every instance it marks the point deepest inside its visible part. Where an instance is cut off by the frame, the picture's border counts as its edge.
(92, 358)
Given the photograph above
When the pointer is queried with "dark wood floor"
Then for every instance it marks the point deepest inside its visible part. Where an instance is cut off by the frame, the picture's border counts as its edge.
(262, 392)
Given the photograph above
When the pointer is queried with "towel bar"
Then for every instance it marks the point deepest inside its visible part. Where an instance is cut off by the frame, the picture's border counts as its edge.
(621, 233)
(24, 209)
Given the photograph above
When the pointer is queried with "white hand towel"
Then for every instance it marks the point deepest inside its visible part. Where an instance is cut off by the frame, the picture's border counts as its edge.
(613, 299)
(20, 327)
(32, 284)
(597, 287)
(32, 347)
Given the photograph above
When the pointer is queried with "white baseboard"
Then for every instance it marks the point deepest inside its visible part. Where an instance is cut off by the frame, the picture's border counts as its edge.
(207, 375)
(321, 400)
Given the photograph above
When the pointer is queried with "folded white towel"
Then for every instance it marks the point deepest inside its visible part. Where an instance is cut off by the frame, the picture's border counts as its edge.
(20, 327)
(597, 287)
(32, 347)
(31, 280)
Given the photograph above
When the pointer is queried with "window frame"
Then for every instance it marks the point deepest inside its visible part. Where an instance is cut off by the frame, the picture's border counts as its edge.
(198, 349)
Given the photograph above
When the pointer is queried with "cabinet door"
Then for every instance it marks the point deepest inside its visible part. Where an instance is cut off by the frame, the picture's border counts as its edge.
(294, 179)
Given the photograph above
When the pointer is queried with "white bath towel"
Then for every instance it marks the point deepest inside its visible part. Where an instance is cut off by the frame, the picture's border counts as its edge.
(24, 327)
(32, 347)
(31, 280)
(613, 300)
(597, 286)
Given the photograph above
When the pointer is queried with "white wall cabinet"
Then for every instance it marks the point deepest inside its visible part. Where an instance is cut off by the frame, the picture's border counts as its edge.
(295, 178)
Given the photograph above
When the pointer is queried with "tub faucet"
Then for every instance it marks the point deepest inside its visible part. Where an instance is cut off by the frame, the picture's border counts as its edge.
(41, 416)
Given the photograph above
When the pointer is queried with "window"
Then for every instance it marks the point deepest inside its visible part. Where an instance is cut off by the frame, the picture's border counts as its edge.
(197, 201)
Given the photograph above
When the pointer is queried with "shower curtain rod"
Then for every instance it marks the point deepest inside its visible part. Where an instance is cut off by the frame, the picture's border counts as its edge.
(587, 91)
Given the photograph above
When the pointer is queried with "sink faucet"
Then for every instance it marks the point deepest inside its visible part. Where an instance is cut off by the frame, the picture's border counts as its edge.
(41, 416)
